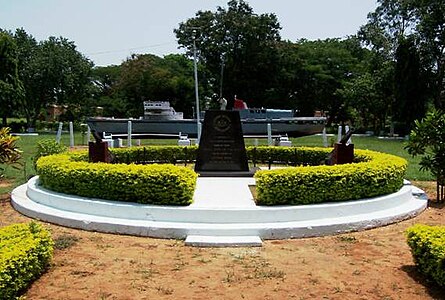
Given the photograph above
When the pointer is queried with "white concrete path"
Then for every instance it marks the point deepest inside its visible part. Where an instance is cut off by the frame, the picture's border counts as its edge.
(223, 192)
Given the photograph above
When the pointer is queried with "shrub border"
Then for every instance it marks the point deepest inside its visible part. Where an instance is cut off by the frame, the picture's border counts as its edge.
(25, 252)
(372, 174)
(427, 245)
(147, 184)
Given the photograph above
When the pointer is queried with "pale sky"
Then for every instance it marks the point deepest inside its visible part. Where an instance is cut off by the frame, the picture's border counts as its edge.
(109, 31)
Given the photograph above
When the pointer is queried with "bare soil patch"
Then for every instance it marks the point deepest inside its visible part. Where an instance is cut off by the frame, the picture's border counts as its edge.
(372, 264)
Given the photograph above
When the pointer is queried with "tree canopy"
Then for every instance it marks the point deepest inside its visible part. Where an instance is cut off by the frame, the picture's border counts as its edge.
(52, 72)
(10, 85)
(237, 44)
(387, 76)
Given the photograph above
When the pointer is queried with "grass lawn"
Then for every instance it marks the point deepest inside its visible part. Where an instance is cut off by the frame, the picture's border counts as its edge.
(28, 145)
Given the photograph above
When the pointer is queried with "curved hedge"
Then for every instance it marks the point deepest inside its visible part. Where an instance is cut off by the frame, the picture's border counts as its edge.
(148, 184)
(373, 174)
(25, 252)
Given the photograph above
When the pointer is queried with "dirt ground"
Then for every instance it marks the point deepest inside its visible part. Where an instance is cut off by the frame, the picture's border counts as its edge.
(372, 264)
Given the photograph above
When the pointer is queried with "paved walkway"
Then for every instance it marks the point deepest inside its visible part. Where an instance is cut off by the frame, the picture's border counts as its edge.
(223, 192)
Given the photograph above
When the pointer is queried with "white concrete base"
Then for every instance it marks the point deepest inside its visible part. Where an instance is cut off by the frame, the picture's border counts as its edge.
(223, 241)
(223, 214)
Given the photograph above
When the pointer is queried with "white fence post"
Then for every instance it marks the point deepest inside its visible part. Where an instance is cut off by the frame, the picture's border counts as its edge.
(129, 134)
(59, 133)
(71, 135)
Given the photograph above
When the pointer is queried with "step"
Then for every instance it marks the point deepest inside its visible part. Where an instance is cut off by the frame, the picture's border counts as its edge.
(223, 241)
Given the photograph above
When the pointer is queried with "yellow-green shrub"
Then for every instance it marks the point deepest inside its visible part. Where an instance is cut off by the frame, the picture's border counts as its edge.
(372, 175)
(427, 245)
(25, 252)
(149, 184)
(160, 154)
(288, 155)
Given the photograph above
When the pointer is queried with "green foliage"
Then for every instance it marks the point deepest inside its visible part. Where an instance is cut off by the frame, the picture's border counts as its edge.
(296, 156)
(427, 139)
(52, 71)
(25, 252)
(148, 184)
(372, 175)
(154, 154)
(48, 147)
(244, 41)
(410, 89)
(9, 153)
(10, 85)
(363, 99)
(427, 245)
(169, 78)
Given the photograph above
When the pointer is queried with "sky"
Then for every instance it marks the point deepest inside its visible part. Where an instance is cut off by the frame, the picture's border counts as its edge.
(109, 31)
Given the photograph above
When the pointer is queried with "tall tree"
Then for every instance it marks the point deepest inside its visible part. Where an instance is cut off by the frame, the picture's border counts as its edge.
(10, 85)
(391, 21)
(430, 28)
(240, 40)
(410, 90)
(53, 72)
(149, 77)
(391, 33)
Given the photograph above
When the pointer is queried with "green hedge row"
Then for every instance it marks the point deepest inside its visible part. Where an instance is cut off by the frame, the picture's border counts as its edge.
(25, 252)
(181, 154)
(372, 175)
(427, 245)
(154, 154)
(148, 184)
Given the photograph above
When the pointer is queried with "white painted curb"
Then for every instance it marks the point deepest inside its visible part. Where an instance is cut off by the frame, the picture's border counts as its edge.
(204, 223)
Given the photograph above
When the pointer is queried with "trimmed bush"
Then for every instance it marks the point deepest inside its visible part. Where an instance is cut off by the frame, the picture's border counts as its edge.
(48, 147)
(258, 154)
(372, 175)
(427, 245)
(148, 184)
(154, 154)
(297, 156)
(25, 252)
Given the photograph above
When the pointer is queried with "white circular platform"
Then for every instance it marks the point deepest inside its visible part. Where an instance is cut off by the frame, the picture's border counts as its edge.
(223, 214)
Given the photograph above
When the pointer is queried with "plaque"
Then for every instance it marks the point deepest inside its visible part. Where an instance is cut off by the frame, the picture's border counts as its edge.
(221, 149)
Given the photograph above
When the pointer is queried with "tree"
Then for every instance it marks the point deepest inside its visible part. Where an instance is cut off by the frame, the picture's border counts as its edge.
(391, 21)
(362, 98)
(52, 72)
(10, 85)
(428, 140)
(430, 29)
(244, 42)
(149, 77)
(410, 89)
(327, 65)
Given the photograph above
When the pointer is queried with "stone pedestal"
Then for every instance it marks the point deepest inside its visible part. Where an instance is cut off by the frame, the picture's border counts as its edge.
(342, 154)
(98, 152)
(221, 149)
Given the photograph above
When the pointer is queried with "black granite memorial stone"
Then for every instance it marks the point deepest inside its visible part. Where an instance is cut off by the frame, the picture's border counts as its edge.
(221, 148)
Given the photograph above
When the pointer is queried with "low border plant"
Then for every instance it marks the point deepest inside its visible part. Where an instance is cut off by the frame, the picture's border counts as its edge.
(25, 252)
(427, 245)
